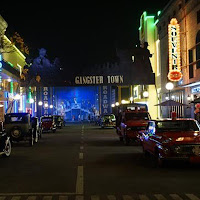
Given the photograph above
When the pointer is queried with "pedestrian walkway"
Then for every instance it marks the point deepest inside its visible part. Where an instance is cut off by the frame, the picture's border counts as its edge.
(73, 196)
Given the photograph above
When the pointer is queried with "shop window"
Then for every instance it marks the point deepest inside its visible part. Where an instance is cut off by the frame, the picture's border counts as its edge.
(198, 16)
(198, 49)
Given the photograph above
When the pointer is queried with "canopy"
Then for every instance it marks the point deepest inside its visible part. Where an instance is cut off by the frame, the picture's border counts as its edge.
(170, 103)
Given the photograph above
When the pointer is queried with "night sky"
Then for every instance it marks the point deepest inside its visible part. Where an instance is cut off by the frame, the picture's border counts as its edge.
(80, 33)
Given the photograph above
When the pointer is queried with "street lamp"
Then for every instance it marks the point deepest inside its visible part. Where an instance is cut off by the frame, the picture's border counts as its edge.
(169, 86)
(40, 104)
(46, 105)
(145, 94)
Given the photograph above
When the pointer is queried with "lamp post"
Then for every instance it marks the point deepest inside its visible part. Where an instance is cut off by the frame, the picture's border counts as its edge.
(169, 86)
(40, 104)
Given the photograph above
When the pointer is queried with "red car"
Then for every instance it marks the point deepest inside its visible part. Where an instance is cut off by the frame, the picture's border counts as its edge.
(169, 139)
(132, 122)
(48, 124)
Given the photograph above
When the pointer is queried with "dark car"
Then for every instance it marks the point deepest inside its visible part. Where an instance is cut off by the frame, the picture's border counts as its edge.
(48, 124)
(169, 139)
(59, 121)
(5, 144)
(108, 121)
(18, 126)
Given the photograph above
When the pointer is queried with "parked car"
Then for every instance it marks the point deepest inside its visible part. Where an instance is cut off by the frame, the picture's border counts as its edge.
(48, 124)
(169, 139)
(132, 118)
(5, 144)
(36, 129)
(18, 126)
(59, 121)
(108, 121)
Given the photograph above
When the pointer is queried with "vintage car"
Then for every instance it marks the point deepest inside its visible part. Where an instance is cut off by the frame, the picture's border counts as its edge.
(169, 139)
(59, 121)
(37, 133)
(48, 124)
(5, 144)
(131, 121)
(18, 126)
(108, 121)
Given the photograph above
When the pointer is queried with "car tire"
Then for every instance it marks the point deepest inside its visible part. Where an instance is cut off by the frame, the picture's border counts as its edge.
(7, 149)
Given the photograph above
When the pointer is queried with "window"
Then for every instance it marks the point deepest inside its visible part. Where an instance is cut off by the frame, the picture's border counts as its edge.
(198, 49)
(198, 16)
(191, 67)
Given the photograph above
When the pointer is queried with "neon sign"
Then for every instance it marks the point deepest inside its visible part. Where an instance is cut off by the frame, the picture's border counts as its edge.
(1, 65)
(174, 51)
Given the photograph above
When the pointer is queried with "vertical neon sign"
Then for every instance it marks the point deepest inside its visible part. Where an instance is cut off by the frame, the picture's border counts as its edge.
(174, 51)
(1, 65)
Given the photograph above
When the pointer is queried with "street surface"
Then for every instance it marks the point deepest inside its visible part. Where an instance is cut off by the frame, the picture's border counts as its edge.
(83, 161)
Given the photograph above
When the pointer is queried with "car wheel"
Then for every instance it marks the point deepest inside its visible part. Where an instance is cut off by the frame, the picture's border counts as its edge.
(7, 149)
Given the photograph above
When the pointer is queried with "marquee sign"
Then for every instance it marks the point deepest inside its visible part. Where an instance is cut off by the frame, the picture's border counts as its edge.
(174, 51)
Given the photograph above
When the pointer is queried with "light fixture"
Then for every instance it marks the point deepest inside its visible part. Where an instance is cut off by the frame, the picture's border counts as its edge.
(169, 86)
(51, 106)
(46, 105)
(189, 97)
(131, 99)
(145, 94)
(113, 105)
(123, 101)
(9, 80)
(40, 103)
(117, 103)
(31, 100)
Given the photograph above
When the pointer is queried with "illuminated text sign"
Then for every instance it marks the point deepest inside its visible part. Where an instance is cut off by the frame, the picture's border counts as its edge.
(174, 51)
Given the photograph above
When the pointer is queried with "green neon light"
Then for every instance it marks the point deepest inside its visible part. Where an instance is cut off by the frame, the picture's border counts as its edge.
(10, 64)
(148, 17)
(159, 12)
(156, 22)
(139, 28)
(29, 95)
(11, 87)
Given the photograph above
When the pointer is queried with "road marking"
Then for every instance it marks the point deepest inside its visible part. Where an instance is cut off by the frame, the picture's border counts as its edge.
(94, 197)
(175, 197)
(47, 198)
(37, 193)
(16, 198)
(111, 197)
(31, 198)
(192, 196)
(79, 180)
(63, 197)
(80, 155)
(143, 197)
(2, 198)
(159, 197)
(79, 198)
(127, 197)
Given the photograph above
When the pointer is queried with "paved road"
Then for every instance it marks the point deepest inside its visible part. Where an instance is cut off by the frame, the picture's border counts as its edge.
(83, 161)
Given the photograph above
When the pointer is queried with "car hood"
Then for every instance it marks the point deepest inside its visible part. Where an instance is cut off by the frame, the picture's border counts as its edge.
(181, 136)
(131, 123)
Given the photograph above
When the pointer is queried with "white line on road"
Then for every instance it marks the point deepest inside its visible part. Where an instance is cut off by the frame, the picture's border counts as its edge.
(192, 196)
(16, 198)
(80, 155)
(111, 197)
(159, 197)
(95, 197)
(2, 198)
(143, 197)
(63, 197)
(47, 198)
(31, 198)
(79, 197)
(79, 180)
(176, 197)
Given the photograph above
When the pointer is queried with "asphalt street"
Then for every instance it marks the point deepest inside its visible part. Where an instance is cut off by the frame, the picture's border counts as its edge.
(83, 161)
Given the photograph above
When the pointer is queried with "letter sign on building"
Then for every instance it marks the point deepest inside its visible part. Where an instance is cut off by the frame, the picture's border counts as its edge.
(174, 51)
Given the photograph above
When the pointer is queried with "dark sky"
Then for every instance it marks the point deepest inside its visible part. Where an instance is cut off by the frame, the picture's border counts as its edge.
(78, 33)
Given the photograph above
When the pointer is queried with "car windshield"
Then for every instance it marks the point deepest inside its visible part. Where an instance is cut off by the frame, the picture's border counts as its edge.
(16, 119)
(138, 115)
(47, 119)
(184, 125)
